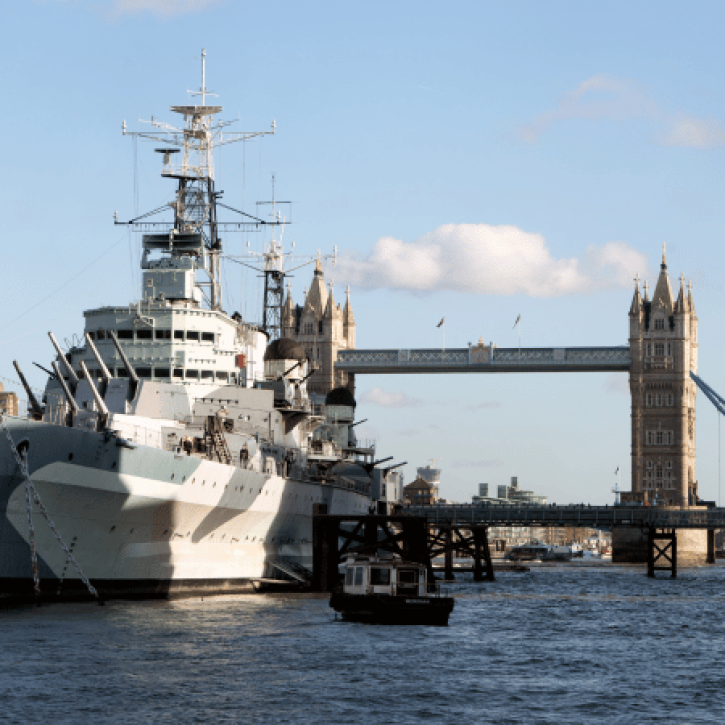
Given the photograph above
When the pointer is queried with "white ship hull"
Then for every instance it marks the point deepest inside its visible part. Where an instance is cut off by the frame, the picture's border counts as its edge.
(188, 525)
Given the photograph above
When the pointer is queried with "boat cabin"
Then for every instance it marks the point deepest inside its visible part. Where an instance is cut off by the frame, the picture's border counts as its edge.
(394, 577)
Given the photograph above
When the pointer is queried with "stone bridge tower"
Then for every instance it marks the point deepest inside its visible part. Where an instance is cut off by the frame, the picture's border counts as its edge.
(321, 327)
(663, 344)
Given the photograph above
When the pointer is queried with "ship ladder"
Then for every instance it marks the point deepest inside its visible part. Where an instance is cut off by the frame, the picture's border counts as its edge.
(32, 494)
(294, 570)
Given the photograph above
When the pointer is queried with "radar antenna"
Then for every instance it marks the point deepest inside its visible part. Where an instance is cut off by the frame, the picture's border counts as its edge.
(273, 260)
(195, 205)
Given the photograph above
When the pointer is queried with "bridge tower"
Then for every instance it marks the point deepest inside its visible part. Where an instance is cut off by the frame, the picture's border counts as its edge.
(322, 327)
(663, 344)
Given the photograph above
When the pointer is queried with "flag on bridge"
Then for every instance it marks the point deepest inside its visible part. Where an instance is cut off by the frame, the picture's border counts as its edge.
(443, 319)
(617, 471)
(518, 319)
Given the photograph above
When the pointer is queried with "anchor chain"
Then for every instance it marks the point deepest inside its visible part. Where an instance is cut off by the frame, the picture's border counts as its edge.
(30, 491)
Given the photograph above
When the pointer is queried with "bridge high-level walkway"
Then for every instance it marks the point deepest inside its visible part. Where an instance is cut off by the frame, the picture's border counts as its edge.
(485, 359)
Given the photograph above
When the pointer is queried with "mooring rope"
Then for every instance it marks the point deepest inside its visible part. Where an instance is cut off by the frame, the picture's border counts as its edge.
(32, 494)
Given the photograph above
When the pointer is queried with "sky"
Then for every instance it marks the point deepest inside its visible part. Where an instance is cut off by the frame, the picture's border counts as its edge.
(475, 161)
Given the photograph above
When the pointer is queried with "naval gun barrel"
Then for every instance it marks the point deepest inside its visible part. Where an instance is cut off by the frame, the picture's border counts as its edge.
(104, 370)
(68, 367)
(364, 420)
(387, 469)
(122, 355)
(311, 373)
(382, 460)
(68, 395)
(102, 407)
(37, 410)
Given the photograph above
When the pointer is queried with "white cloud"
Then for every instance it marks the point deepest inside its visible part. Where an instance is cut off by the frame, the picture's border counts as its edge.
(163, 9)
(622, 99)
(498, 260)
(694, 132)
(386, 399)
(598, 97)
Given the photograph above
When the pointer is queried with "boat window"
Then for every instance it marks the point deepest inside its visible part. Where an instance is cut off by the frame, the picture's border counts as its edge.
(221, 375)
(178, 373)
(143, 372)
(380, 577)
(207, 336)
(121, 373)
(101, 335)
(206, 374)
(162, 373)
(192, 335)
(348, 575)
(358, 576)
(92, 335)
(144, 334)
(192, 374)
(162, 334)
(124, 334)
(408, 576)
(178, 334)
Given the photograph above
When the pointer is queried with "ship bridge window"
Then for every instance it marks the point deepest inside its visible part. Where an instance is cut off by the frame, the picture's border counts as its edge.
(349, 572)
(178, 334)
(221, 375)
(408, 576)
(207, 374)
(163, 334)
(162, 373)
(121, 373)
(207, 336)
(192, 335)
(192, 374)
(143, 372)
(358, 576)
(144, 334)
(380, 577)
(92, 335)
(124, 334)
(101, 335)
(178, 373)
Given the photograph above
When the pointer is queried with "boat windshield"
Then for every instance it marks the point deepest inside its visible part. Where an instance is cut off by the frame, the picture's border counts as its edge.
(408, 576)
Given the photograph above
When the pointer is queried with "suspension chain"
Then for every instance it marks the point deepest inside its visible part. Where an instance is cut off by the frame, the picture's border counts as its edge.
(30, 491)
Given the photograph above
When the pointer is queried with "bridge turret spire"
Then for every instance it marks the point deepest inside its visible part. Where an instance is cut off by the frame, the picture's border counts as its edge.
(680, 305)
(636, 307)
(663, 291)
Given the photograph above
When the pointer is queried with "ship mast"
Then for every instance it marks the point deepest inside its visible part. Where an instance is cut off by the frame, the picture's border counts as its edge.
(195, 206)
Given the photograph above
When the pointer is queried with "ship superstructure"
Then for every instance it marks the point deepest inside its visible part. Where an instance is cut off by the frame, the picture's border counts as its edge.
(177, 448)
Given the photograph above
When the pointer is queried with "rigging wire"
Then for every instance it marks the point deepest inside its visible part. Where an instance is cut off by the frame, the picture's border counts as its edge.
(66, 283)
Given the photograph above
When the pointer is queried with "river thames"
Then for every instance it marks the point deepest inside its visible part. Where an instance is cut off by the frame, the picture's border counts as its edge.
(560, 644)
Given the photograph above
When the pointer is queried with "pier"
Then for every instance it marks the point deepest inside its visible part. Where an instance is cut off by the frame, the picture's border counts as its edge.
(422, 533)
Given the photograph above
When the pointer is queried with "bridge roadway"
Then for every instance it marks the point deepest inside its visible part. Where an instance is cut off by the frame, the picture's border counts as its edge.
(595, 517)
(485, 359)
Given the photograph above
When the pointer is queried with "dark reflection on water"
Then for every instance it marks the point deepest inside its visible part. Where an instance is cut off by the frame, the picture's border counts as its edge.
(557, 645)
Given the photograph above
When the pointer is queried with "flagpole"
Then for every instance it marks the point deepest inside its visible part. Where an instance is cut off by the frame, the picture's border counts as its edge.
(519, 339)
(443, 331)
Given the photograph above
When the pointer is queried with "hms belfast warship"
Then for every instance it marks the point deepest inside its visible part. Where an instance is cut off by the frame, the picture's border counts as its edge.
(176, 450)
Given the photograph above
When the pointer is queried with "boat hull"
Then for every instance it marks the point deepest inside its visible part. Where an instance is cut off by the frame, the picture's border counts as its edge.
(394, 610)
(143, 522)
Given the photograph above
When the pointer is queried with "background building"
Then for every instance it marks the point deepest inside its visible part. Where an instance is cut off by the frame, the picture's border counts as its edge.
(321, 327)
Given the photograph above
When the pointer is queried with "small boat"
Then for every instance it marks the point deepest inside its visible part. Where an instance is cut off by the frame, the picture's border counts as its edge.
(389, 591)
(529, 552)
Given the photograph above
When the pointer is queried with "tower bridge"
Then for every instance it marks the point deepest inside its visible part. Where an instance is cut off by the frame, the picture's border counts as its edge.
(660, 356)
